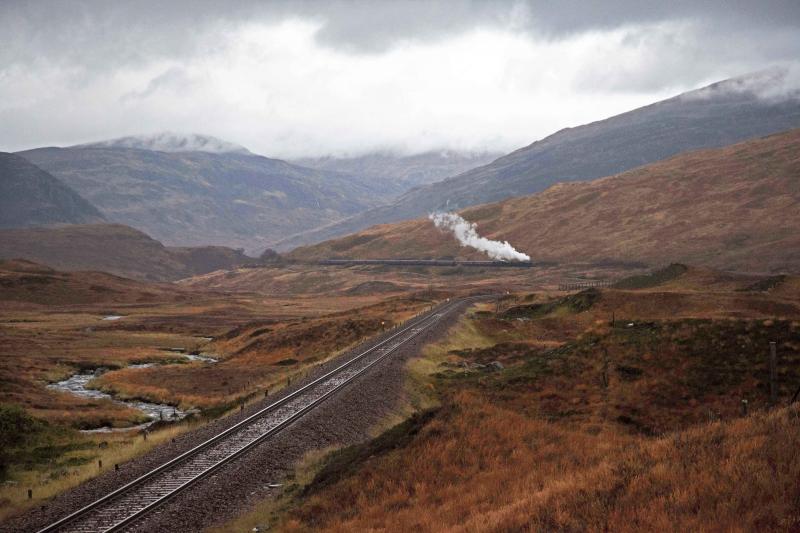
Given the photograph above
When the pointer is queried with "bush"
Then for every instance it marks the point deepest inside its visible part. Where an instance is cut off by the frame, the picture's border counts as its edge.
(16, 426)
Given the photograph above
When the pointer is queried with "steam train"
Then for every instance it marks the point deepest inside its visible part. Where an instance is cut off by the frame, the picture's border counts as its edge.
(427, 262)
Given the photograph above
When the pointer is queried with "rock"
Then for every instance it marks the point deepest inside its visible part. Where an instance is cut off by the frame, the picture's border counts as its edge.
(496, 365)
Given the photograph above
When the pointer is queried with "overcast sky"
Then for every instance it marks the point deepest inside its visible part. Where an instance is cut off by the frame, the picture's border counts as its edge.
(290, 79)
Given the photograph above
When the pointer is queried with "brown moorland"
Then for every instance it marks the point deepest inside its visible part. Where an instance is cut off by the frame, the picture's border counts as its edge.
(734, 208)
(114, 248)
(587, 423)
(54, 324)
(61, 327)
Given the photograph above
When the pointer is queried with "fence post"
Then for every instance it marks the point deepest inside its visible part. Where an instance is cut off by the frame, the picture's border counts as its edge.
(773, 373)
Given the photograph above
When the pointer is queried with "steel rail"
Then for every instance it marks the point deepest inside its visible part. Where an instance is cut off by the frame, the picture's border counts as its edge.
(425, 321)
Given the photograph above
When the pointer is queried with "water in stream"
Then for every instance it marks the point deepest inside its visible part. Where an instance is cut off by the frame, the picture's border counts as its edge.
(76, 384)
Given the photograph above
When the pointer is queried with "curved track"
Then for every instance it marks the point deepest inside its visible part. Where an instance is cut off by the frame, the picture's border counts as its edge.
(125, 505)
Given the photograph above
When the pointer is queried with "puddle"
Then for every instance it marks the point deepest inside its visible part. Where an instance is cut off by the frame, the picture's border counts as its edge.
(112, 317)
(76, 384)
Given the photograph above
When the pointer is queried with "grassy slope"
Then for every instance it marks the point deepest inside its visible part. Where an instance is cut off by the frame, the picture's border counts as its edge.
(589, 426)
(113, 248)
(733, 207)
(57, 328)
(25, 281)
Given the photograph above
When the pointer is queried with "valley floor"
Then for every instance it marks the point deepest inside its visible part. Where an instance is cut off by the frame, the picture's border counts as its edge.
(617, 408)
(585, 424)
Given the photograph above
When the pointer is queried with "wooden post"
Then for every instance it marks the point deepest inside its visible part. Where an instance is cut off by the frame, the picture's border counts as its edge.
(30, 494)
(773, 373)
(99, 463)
(744, 407)
(116, 467)
(794, 398)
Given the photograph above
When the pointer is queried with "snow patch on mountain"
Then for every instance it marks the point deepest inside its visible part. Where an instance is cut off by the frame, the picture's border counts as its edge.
(172, 142)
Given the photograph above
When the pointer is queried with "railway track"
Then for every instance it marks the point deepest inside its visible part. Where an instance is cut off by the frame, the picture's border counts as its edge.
(124, 506)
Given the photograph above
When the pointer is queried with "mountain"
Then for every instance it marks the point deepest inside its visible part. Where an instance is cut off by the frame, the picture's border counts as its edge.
(114, 248)
(718, 115)
(736, 208)
(407, 171)
(172, 142)
(29, 196)
(186, 198)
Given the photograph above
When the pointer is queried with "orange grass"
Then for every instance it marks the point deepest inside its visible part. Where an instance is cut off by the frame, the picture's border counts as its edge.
(480, 467)
(544, 445)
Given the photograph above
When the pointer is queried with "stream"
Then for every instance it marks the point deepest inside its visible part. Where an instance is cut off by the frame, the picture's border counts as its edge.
(77, 384)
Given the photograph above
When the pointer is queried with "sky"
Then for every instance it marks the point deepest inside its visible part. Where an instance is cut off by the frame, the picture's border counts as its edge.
(303, 78)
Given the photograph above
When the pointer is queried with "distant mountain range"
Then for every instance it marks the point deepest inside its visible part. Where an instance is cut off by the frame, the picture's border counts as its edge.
(197, 190)
(406, 171)
(29, 196)
(720, 114)
(735, 208)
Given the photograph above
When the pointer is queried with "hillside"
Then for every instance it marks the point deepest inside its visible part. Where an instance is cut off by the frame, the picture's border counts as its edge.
(191, 198)
(718, 115)
(735, 208)
(29, 196)
(116, 249)
(25, 281)
(538, 413)
(407, 171)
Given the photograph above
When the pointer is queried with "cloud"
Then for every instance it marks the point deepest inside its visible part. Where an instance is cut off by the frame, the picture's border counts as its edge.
(174, 79)
(772, 84)
(291, 79)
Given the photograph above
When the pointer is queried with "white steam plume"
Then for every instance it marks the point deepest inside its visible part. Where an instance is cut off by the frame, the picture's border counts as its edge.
(467, 235)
